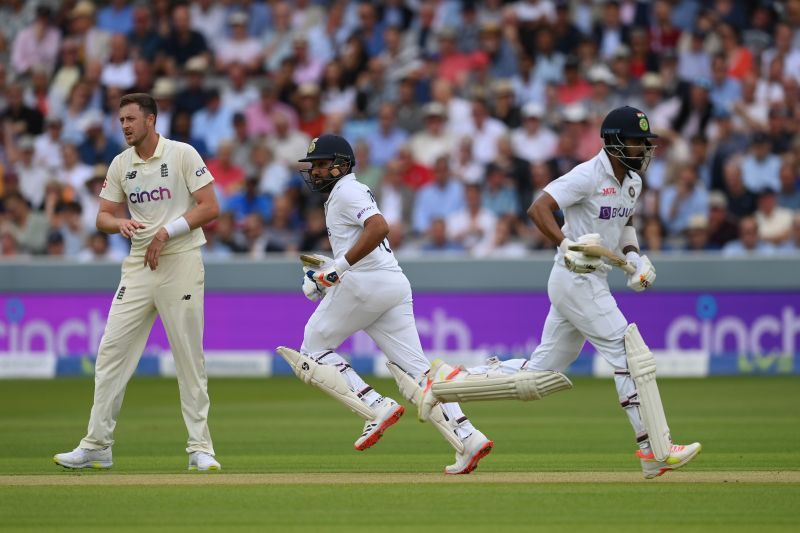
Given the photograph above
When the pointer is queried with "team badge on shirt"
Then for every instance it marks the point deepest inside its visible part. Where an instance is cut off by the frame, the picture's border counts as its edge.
(164, 170)
(631, 191)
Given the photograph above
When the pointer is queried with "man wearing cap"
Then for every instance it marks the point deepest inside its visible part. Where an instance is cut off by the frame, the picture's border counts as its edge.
(169, 192)
(434, 141)
(598, 199)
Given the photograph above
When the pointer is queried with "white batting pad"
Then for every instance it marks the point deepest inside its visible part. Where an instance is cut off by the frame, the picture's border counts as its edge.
(642, 366)
(327, 378)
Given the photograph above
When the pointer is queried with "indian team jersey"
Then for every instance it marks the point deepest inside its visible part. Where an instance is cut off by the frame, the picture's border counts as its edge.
(349, 205)
(158, 191)
(593, 201)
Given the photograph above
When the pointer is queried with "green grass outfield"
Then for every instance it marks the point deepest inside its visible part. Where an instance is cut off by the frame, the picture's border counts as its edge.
(562, 464)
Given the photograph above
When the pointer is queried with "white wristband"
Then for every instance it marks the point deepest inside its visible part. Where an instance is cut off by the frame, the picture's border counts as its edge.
(341, 265)
(628, 238)
(177, 227)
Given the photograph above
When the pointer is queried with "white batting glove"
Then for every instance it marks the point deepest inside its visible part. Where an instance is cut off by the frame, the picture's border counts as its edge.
(578, 262)
(645, 274)
(311, 289)
(325, 277)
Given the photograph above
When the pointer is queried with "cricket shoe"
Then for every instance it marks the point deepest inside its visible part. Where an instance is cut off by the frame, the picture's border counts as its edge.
(203, 462)
(387, 413)
(476, 447)
(678, 456)
(84, 458)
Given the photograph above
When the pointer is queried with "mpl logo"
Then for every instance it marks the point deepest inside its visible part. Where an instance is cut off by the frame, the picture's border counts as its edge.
(607, 213)
(609, 191)
(138, 196)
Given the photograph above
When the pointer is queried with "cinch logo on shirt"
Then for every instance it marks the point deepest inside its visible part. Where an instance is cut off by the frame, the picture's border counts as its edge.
(138, 197)
(607, 213)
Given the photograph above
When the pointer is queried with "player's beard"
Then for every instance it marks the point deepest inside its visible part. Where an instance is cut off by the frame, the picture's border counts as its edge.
(135, 140)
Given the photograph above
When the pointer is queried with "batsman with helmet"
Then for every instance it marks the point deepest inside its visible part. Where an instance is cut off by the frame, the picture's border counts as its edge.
(364, 289)
(598, 200)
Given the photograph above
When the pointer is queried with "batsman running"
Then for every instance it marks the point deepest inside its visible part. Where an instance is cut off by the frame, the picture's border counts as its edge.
(363, 288)
(598, 200)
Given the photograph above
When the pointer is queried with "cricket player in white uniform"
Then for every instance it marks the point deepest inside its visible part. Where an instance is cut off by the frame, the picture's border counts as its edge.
(363, 288)
(169, 193)
(598, 199)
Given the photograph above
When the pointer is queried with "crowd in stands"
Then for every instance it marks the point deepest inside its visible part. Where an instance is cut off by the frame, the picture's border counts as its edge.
(460, 112)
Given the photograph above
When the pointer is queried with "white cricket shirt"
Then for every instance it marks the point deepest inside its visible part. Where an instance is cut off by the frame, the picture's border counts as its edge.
(158, 191)
(593, 201)
(349, 205)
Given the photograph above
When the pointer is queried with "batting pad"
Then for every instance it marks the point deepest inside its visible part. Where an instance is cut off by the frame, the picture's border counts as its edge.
(412, 392)
(327, 378)
(642, 366)
(523, 385)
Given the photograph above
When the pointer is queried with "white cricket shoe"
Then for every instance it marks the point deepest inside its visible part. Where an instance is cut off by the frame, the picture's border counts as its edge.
(84, 458)
(387, 413)
(202, 461)
(476, 447)
(678, 456)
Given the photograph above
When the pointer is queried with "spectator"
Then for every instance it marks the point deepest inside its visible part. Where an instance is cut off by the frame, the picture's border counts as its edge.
(96, 249)
(439, 199)
(533, 141)
(69, 225)
(774, 222)
(194, 95)
(528, 86)
(722, 226)
(286, 142)
(182, 44)
(274, 175)
(315, 234)
(748, 243)
(610, 32)
(679, 202)
(368, 173)
(729, 143)
(695, 112)
(410, 116)
(697, 235)
(394, 198)
(693, 61)
(464, 165)
(240, 48)
(503, 244)
(434, 141)
(311, 120)
(213, 247)
(118, 72)
(741, 202)
(181, 130)
(209, 18)
(21, 119)
(47, 146)
(760, 168)
(437, 241)
(499, 196)
(307, 67)
(574, 88)
(249, 200)
(472, 226)
(32, 176)
(653, 235)
(163, 91)
(485, 131)
(143, 38)
(93, 40)
(55, 244)
(116, 17)
(261, 114)
(385, 143)
(789, 195)
(238, 91)
(213, 123)
(739, 59)
(504, 108)
(277, 39)
(27, 228)
(228, 177)
(37, 45)
(280, 234)
(792, 245)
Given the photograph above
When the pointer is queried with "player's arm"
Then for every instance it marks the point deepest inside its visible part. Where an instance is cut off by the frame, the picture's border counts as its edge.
(111, 219)
(205, 210)
(541, 213)
(375, 230)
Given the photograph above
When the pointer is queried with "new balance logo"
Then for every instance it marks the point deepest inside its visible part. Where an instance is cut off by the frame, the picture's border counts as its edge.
(121, 292)
(164, 170)
(187, 297)
(130, 175)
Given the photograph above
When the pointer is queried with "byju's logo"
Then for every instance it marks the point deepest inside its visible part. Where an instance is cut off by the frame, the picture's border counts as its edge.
(130, 175)
(138, 196)
(607, 213)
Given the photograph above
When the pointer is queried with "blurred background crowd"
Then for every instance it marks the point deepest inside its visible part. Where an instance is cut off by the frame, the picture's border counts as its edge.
(459, 111)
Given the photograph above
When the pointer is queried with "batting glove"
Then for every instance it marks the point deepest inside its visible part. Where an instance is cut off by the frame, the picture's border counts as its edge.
(645, 274)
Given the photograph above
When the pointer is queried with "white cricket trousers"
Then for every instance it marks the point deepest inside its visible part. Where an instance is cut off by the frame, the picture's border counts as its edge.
(582, 308)
(175, 292)
(379, 302)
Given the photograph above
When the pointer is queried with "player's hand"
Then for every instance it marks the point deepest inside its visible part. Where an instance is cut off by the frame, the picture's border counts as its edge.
(311, 288)
(154, 250)
(645, 274)
(579, 262)
(128, 227)
(324, 277)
